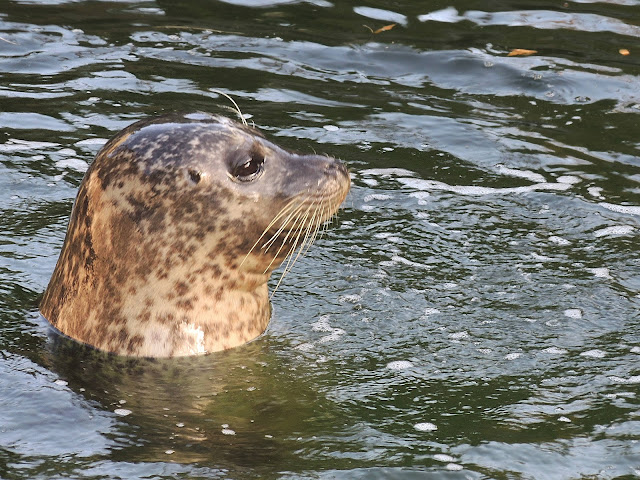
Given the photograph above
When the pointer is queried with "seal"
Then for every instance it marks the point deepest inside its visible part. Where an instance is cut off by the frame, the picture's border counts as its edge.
(176, 228)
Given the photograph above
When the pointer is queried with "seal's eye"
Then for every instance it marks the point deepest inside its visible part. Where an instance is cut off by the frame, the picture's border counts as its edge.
(250, 169)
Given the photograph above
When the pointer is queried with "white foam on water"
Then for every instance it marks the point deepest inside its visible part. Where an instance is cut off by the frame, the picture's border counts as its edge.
(454, 467)
(331, 128)
(559, 240)
(305, 347)
(635, 350)
(570, 179)
(442, 457)
(512, 356)
(399, 365)
(372, 182)
(473, 190)
(593, 354)
(564, 419)
(445, 15)
(73, 163)
(528, 174)
(555, 351)
(352, 298)
(573, 313)
(62, 383)
(405, 261)
(123, 412)
(615, 230)
(595, 192)
(431, 311)
(630, 209)
(425, 427)
(601, 272)
(66, 151)
(228, 431)
(91, 142)
(625, 381)
(17, 145)
(459, 335)
(387, 172)
(377, 196)
(380, 14)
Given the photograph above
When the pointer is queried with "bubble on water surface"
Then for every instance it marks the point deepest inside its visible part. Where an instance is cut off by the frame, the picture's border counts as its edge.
(593, 354)
(73, 163)
(601, 272)
(559, 240)
(614, 230)
(573, 313)
(441, 457)
(630, 209)
(425, 427)
(625, 381)
(399, 365)
(555, 351)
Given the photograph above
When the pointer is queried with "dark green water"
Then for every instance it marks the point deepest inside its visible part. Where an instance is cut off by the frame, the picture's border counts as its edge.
(474, 311)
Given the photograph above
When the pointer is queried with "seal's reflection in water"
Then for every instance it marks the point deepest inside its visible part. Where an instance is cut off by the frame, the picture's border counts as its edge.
(235, 409)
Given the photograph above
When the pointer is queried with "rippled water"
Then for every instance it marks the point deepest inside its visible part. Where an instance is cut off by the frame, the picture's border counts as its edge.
(474, 311)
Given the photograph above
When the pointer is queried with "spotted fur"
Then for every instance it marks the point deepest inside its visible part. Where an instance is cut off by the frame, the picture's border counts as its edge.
(162, 255)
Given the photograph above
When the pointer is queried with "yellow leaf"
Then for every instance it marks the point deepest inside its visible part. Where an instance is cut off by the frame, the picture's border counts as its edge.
(521, 52)
(385, 28)
(624, 51)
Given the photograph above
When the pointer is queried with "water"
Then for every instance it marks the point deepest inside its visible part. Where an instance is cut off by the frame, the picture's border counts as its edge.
(474, 311)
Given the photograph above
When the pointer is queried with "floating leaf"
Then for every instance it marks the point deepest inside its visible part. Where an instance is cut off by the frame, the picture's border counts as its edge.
(522, 52)
(381, 29)
(624, 51)
(385, 28)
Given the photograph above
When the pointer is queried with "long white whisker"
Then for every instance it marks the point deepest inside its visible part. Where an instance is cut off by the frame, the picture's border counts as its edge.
(275, 219)
(303, 226)
(285, 222)
(284, 241)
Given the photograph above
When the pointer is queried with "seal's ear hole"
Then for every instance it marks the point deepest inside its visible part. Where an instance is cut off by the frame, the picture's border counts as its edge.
(194, 175)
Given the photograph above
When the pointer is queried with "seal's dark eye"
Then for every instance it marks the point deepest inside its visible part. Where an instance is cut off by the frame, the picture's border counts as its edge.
(250, 169)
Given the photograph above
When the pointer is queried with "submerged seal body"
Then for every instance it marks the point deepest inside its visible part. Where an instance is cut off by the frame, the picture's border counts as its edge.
(174, 233)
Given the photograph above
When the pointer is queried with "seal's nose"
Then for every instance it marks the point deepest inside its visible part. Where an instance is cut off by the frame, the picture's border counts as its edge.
(333, 166)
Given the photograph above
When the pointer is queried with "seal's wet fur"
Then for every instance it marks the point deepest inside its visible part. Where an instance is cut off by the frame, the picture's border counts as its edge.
(164, 251)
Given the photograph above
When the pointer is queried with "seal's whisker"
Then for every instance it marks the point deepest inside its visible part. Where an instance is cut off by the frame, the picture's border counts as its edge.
(273, 221)
(315, 227)
(305, 239)
(302, 226)
(293, 216)
(286, 222)
(240, 114)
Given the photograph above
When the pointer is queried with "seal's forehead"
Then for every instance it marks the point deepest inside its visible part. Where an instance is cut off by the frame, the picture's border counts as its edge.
(195, 120)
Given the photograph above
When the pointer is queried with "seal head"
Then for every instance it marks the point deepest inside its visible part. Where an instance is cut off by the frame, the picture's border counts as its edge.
(174, 233)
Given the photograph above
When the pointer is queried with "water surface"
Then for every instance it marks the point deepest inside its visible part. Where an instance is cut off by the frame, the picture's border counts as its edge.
(472, 313)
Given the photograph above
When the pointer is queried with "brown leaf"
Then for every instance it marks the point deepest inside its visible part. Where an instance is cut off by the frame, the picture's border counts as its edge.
(522, 52)
(385, 28)
(624, 51)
